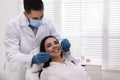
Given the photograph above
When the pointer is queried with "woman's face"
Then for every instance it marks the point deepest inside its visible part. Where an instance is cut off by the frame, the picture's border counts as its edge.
(53, 47)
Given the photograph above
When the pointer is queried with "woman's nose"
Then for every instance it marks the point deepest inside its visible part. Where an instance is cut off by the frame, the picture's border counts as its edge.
(54, 46)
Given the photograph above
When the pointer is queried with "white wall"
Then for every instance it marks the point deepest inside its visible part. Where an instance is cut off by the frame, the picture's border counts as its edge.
(8, 9)
(96, 73)
(110, 75)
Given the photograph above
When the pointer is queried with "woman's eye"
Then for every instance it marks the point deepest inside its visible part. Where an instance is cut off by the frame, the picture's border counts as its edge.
(56, 42)
(48, 45)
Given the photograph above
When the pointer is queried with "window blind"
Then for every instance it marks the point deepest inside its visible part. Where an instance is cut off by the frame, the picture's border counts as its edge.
(82, 25)
(112, 57)
(50, 9)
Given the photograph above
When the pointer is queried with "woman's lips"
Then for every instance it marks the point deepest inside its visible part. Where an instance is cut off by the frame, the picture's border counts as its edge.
(55, 52)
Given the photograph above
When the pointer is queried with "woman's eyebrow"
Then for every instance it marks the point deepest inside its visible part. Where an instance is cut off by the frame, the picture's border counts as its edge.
(48, 44)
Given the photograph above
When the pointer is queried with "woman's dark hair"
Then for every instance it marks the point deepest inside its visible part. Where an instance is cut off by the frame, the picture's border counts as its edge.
(33, 5)
(42, 49)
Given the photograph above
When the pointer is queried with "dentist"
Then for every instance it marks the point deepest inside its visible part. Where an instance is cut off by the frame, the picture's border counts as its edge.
(23, 34)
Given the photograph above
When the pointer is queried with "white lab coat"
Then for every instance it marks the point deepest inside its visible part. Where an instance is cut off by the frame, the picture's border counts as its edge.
(19, 41)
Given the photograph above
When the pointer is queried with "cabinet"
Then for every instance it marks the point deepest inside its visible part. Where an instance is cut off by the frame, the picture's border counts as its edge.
(94, 71)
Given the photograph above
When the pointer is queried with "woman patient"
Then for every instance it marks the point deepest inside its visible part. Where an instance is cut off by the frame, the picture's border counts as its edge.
(58, 68)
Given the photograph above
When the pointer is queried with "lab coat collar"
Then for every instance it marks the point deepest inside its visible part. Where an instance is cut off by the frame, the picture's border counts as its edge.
(24, 24)
(23, 19)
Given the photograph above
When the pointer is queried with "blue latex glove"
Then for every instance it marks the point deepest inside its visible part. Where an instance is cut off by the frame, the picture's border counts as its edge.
(65, 45)
(41, 57)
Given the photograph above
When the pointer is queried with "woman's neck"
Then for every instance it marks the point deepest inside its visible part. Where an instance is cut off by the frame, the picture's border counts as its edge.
(57, 59)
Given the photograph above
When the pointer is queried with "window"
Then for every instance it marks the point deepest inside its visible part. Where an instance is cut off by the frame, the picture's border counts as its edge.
(50, 10)
(82, 24)
(111, 46)
(53, 12)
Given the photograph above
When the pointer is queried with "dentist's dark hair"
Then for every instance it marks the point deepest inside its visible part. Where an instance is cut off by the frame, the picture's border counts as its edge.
(33, 5)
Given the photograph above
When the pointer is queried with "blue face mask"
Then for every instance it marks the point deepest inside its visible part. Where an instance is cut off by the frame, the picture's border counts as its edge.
(35, 23)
